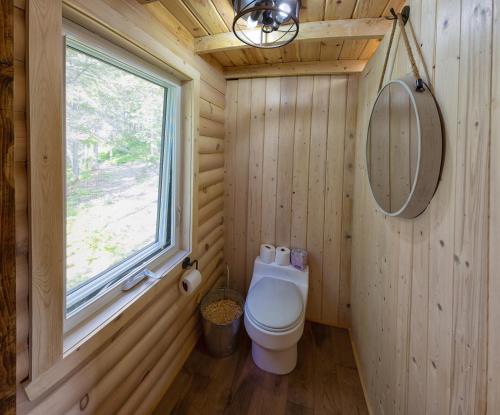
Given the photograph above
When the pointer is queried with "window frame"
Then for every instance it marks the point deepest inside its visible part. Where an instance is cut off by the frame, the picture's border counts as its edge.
(82, 41)
(53, 353)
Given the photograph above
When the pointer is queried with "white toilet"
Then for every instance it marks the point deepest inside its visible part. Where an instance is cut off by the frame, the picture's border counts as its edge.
(275, 311)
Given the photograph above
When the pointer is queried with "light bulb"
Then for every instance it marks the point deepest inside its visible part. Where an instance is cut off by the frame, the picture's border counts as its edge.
(251, 23)
(285, 10)
(284, 14)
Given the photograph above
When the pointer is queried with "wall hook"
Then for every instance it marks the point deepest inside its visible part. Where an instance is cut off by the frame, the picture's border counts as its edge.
(188, 264)
(405, 14)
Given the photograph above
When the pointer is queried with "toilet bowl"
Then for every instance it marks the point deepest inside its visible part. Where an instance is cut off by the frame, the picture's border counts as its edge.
(275, 311)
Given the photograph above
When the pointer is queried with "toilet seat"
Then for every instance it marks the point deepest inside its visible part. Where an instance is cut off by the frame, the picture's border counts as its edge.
(274, 305)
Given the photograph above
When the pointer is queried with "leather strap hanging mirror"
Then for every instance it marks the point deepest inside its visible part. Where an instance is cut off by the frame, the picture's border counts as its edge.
(404, 141)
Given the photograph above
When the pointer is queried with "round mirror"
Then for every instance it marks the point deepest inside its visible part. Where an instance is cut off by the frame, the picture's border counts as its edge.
(403, 148)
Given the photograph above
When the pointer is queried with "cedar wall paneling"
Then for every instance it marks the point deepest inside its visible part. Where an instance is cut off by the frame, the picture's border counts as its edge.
(289, 154)
(130, 374)
(425, 309)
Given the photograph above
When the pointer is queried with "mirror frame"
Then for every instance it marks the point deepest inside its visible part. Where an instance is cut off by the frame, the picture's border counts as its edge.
(430, 147)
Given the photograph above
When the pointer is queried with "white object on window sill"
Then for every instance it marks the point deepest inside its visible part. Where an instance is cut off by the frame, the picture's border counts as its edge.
(80, 333)
(137, 279)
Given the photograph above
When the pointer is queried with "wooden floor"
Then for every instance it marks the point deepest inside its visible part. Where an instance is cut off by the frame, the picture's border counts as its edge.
(325, 381)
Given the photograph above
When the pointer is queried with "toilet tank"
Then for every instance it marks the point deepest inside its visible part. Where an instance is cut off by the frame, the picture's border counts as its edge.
(287, 273)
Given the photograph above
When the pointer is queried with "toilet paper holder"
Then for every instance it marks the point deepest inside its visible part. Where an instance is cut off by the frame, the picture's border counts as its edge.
(188, 264)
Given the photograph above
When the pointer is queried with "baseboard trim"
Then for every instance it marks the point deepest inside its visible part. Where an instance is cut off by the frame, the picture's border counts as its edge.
(327, 323)
(360, 372)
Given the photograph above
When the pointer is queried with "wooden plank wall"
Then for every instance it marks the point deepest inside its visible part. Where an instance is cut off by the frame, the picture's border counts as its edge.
(129, 374)
(21, 191)
(7, 214)
(289, 177)
(424, 295)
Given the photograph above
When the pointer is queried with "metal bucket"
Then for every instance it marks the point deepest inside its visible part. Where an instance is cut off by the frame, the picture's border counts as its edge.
(221, 339)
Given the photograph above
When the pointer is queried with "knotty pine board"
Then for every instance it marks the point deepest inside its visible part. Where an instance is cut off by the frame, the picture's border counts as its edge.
(289, 151)
(424, 313)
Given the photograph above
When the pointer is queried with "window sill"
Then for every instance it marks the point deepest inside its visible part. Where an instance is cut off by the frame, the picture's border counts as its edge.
(92, 334)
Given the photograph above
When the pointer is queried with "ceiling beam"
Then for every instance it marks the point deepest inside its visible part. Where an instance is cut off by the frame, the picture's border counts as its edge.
(295, 69)
(347, 29)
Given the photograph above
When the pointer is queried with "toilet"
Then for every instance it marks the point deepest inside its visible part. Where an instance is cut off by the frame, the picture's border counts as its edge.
(275, 311)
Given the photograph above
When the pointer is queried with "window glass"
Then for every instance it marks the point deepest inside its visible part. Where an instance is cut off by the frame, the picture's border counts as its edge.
(118, 159)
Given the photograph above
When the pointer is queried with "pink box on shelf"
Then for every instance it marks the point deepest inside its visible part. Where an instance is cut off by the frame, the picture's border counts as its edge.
(298, 258)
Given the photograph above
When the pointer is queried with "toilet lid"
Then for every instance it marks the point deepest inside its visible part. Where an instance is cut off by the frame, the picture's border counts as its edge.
(274, 304)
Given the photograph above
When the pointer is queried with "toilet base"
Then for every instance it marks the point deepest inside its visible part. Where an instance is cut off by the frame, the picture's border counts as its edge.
(278, 362)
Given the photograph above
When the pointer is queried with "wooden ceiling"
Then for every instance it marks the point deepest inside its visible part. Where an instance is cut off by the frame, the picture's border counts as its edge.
(205, 18)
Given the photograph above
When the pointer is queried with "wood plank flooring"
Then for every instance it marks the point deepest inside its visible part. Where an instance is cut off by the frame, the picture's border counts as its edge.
(326, 381)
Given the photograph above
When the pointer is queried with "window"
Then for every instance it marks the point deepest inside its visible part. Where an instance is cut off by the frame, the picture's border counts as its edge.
(113, 127)
(121, 127)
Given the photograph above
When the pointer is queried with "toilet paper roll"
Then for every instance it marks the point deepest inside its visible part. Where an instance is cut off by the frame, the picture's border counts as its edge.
(282, 256)
(267, 253)
(190, 281)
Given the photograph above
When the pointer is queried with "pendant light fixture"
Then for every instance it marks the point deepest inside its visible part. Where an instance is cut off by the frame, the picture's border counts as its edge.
(266, 23)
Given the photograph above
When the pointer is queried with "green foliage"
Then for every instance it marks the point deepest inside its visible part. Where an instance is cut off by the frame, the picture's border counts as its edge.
(112, 115)
(114, 127)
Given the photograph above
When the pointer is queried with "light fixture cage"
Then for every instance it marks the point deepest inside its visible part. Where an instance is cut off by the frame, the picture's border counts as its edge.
(266, 24)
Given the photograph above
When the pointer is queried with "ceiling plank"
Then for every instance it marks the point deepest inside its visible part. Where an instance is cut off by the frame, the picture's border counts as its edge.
(330, 50)
(339, 10)
(369, 8)
(295, 69)
(354, 29)
(397, 5)
(226, 11)
(222, 58)
(312, 10)
(290, 52)
(166, 18)
(184, 15)
(309, 51)
(237, 57)
(370, 49)
(364, 9)
(207, 14)
(335, 9)
(272, 55)
(353, 49)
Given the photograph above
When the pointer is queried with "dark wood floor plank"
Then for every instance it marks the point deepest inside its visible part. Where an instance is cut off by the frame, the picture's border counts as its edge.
(197, 369)
(295, 409)
(175, 394)
(300, 388)
(273, 396)
(245, 387)
(325, 381)
(352, 399)
(327, 393)
(225, 371)
(342, 349)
